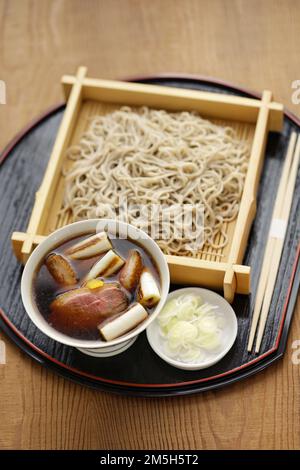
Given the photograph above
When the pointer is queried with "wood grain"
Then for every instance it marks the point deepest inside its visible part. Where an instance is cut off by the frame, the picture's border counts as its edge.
(254, 44)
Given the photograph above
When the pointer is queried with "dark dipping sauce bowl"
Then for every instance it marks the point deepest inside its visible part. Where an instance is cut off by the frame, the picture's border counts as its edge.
(38, 289)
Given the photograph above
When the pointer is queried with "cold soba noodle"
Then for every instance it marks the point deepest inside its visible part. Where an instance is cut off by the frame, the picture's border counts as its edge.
(155, 157)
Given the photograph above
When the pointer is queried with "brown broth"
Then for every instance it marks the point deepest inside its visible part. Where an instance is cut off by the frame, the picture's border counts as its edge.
(46, 289)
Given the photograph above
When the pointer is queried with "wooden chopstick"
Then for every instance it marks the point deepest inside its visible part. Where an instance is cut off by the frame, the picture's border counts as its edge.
(279, 243)
(270, 242)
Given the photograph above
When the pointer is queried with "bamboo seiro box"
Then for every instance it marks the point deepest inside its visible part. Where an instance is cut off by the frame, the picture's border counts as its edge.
(251, 118)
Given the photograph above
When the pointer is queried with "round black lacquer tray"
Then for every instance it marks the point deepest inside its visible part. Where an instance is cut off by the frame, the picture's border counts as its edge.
(139, 371)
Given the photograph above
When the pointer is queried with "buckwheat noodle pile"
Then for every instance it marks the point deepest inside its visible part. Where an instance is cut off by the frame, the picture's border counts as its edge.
(147, 156)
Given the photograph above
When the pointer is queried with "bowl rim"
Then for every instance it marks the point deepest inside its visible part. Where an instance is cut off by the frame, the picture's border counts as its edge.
(56, 238)
(193, 365)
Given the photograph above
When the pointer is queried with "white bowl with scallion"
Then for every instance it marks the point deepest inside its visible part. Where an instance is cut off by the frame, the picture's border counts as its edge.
(195, 329)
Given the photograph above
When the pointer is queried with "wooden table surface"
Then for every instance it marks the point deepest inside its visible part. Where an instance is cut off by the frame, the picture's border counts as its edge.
(252, 43)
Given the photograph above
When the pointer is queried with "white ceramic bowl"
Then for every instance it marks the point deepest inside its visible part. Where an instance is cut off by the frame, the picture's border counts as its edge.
(97, 347)
(230, 330)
